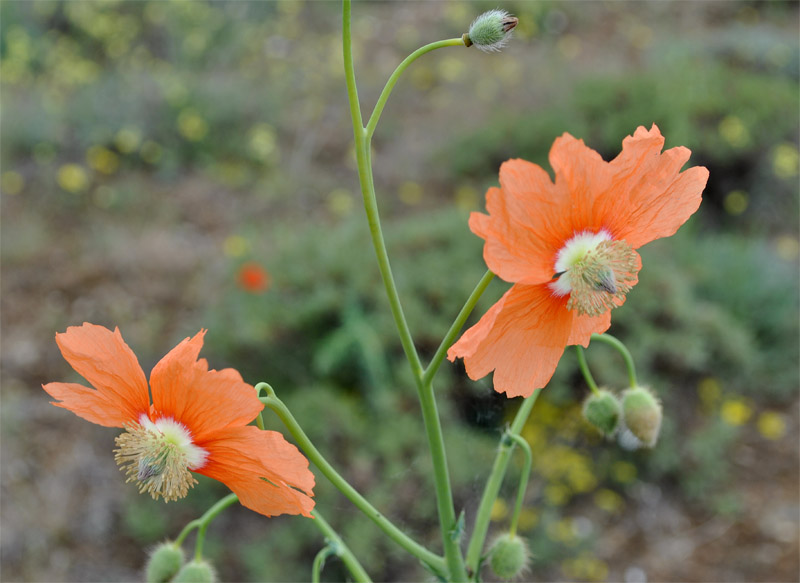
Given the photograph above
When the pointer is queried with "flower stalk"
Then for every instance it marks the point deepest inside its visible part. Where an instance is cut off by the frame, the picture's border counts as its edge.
(434, 562)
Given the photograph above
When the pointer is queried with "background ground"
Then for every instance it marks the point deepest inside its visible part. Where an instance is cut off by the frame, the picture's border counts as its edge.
(151, 150)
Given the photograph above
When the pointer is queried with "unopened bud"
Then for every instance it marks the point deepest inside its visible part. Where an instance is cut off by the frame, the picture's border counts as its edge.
(509, 557)
(641, 413)
(603, 410)
(164, 562)
(491, 30)
(196, 572)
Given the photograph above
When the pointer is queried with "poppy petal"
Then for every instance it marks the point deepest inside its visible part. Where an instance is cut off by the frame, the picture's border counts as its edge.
(203, 400)
(584, 175)
(521, 338)
(87, 403)
(102, 358)
(267, 473)
(650, 197)
(519, 230)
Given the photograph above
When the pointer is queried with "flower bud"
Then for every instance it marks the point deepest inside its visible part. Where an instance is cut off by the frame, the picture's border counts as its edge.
(164, 562)
(603, 410)
(196, 572)
(491, 30)
(509, 557)
(641, 414)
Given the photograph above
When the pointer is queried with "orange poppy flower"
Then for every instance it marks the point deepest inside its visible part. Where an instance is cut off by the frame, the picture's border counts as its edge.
(568, 248)
(197, 422)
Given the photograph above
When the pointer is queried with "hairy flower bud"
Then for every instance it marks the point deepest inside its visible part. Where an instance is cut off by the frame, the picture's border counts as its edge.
(509, 556)
(491, 30)
(603, 410)
(164, 562)
(641, 414)
(196, 572)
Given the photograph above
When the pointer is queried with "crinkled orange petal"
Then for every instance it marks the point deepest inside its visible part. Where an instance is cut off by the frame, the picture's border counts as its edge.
(267, 473)
(522, 230)
(650, 197)
(203, 400)
(102, 358)
(87, 403)
(521, 338)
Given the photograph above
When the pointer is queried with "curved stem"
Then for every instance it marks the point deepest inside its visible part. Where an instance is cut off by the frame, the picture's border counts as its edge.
(319, 561)
(337, 546)
(584, 366)
(523, 481)
(492, 487)
(387, 90)
(202, 523)
(435, 562)
(455, 328)
(623, 350)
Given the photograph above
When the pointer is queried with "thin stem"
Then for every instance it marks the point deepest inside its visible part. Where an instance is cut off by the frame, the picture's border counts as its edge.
(455, 328)
(435, 562)
(341, 550)
(387, 90)
(523, 481)
(203, 522)
(492, 487)
(623, 350)
(319, 561)
(451, 538)
(584, 366)
(370, 202)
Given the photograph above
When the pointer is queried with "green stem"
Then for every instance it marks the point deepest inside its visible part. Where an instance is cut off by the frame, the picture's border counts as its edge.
(202, 524)
(492, 487)
(584, 366)
(437, 359)
(362, 135)
(387, 90)
(337, 546)
(451, 538)
(523, 481)
(623, 350)
(435, 562)
(319, 561)
(362, 146)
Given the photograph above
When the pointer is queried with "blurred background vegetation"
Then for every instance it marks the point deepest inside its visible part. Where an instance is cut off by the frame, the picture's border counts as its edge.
(169, 166)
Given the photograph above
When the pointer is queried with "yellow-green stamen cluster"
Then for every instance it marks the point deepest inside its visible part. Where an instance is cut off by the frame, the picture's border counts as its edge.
(159, 456)
(596, 271)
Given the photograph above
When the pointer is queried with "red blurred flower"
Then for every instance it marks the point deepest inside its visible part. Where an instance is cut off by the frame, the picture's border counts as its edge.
(253, 278)
(197, 422)
(568, 248)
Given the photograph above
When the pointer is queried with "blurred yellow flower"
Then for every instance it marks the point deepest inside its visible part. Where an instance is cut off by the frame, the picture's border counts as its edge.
(127, 139)
(235, 246)
(771, 425)
(499, 510)
(72, 178)
(340, 202)
(466, 198)
(735, 202)
(528, 519)
(733, 131)
(787, 247)
(785, 160)
(556, 494)
(623, 472)
(410, 193)
(191, 125)
(102, 159)
(608, 500)
(710, 392)
(262, 142)
(11, 182)
(735, 412)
